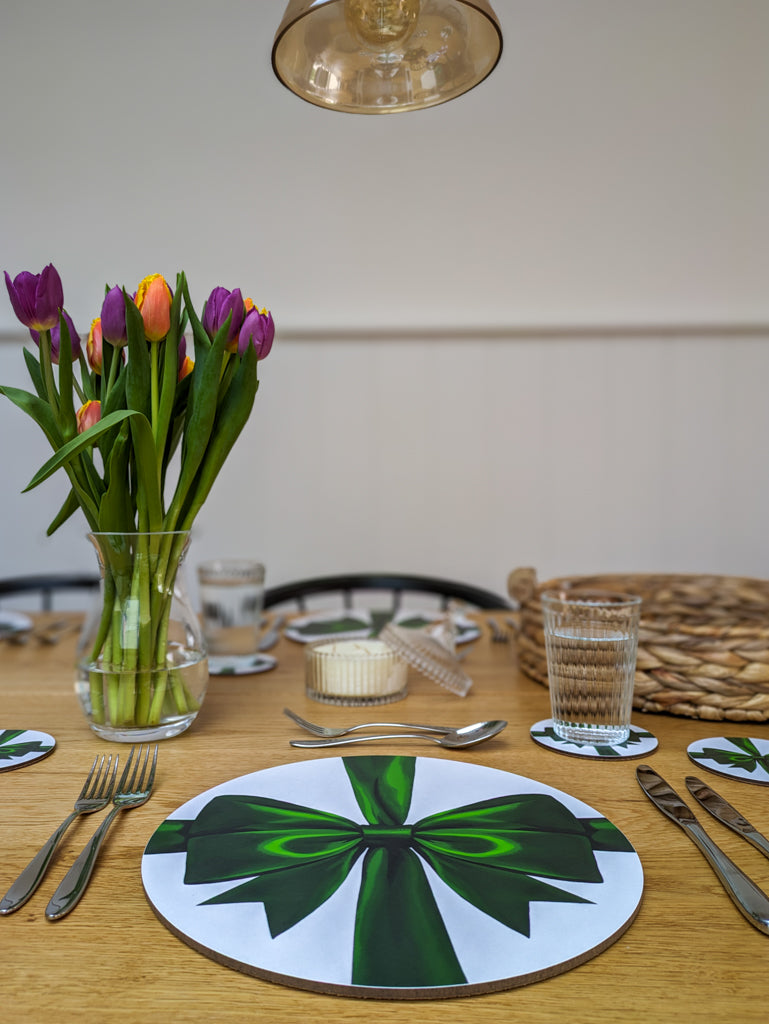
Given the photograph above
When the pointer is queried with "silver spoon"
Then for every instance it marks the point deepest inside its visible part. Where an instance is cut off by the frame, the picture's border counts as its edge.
(328, 731)
(464, 737)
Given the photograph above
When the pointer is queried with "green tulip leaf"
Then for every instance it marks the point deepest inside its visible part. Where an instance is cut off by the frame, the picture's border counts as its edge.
(33, 366)
(170, 374)
(138, 371)
(68, 451)
(38, 409)
(114, 511)
(199, 334)
(232, 416)
(201, 415)
(70, 506)
(67, 418)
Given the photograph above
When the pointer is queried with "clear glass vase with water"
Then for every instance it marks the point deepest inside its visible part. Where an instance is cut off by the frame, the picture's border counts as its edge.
(142, 666)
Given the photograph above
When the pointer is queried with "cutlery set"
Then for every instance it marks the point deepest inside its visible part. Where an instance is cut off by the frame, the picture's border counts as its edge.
(751, 901)
(48, 634)
(445, 736)
(99, 790)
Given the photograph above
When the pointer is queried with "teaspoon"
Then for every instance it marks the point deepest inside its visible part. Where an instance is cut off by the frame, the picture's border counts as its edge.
(464, 737)
(328, 731)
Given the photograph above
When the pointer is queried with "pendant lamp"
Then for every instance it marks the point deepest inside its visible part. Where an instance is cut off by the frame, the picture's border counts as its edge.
(385, 56)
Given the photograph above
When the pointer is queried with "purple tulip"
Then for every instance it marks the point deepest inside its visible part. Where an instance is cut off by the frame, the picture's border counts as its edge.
(258, 330)
(219, 305)
(74, 338)
(113, 328)
(37, 298)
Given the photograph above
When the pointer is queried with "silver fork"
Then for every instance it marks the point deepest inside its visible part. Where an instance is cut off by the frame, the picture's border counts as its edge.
(327, 731)
(94, 796)
(131, 792)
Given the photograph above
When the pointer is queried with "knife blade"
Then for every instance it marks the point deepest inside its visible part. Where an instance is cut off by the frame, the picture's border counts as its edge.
(726, 814)
(751, 901)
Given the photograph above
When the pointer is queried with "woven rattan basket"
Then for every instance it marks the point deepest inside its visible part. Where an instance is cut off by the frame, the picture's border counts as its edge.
(703, 643)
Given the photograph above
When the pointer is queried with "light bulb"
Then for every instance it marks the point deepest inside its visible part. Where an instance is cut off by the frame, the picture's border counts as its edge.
(381, 25)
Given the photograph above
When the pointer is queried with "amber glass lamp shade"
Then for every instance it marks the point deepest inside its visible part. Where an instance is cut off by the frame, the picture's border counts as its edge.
(385, 56)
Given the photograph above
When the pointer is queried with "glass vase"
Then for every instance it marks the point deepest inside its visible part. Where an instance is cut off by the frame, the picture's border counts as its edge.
(142, 669)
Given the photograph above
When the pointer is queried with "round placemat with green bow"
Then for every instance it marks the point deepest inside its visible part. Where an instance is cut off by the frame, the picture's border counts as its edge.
(392, 877)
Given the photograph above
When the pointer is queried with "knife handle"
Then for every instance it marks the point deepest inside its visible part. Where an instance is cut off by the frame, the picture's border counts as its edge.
(751, 901)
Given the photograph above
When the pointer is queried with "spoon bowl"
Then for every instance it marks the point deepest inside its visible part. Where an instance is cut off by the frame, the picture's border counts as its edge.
(470, 734)
(467, 736)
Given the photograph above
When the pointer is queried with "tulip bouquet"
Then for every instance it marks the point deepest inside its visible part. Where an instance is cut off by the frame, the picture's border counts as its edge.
(136, 401)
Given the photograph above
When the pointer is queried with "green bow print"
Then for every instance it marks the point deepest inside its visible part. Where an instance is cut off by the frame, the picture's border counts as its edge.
(603, 749)
(487, 852)
(10, 750)
(747, 755)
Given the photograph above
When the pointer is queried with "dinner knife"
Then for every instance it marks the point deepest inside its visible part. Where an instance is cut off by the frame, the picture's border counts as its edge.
(726, 814)
(751, 901)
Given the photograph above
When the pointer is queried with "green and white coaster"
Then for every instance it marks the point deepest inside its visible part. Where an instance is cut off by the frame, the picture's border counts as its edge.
(392, 877)
(240, 665)
(736, 757)
(638, 743)
(12, 623)
(20, 747)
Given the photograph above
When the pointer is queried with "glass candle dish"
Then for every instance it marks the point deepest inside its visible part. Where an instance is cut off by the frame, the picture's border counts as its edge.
(355, 672)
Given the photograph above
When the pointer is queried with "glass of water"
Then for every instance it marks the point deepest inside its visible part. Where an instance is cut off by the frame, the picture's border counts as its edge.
(231, 599)
(591, 639)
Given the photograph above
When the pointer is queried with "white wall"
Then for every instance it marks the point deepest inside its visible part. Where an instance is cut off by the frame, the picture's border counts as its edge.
(527, 327)
(467, 458)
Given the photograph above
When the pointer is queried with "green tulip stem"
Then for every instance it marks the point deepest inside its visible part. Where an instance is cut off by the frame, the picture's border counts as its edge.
(80, 393)
(113, 368)
(46, 365)
(154, 387)
(112, 658)
(100, 645)
(143, 666)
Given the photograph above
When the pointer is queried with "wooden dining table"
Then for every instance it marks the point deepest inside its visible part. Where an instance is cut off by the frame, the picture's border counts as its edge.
(688, 955)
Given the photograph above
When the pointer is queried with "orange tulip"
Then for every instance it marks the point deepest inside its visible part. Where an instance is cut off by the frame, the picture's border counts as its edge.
(93, 347)
(87, 415)
(153, 299)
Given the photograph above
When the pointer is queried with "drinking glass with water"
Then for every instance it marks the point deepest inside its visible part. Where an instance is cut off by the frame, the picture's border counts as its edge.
(232, 598)
(591, 640)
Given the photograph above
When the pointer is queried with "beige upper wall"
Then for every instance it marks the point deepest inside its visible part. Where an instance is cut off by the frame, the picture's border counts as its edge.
(612, 169)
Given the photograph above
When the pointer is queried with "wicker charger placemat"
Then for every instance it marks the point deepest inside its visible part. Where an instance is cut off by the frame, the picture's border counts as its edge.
(703, 643)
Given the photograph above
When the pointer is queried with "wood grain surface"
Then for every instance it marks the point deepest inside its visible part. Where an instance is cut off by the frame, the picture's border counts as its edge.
(689, 954)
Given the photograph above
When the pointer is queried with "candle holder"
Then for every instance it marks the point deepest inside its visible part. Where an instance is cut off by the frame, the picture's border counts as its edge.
(354, 673)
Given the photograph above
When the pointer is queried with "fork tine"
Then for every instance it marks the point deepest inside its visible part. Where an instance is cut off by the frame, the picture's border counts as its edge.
(108, 784)
(124, 777)
(97, 788)
(87, 783)
(98, 778)
(296, 718)
(151, 780)
(140, 784)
